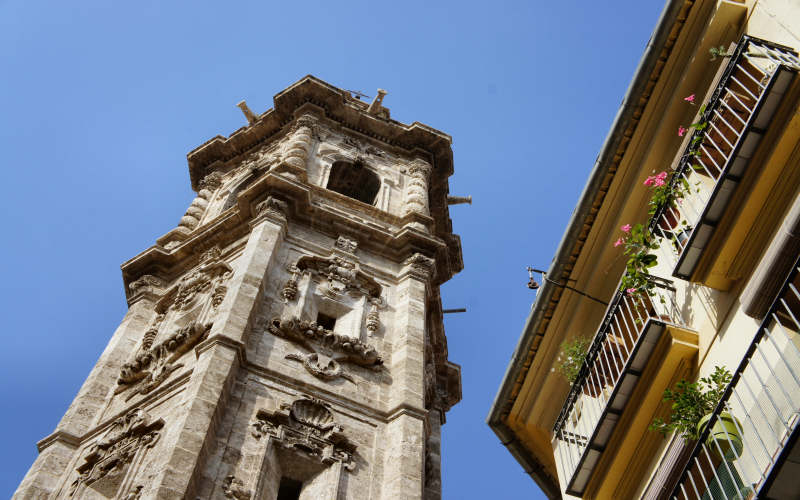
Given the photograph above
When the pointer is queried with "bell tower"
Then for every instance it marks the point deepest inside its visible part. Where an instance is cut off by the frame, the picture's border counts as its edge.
(285, 341)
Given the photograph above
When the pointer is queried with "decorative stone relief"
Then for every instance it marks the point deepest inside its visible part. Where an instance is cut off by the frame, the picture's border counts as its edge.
(152, 332)
(210, 275)
(152, 367)
(109, 458)
(235, 488)
(309, 335)
(308, 428)
(289, 292)
(191, 219)
(346, 244)
(144, 283)
(321, 366)
(420, 266)
(272, 208)
(417, 188)
(299, 147)
(373, 317)
(136, 494)
(342, 275)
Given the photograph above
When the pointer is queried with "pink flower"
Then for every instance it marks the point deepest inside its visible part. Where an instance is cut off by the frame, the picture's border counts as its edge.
(649, 181)
(630, 291)
(626, 228)
(681, 131)
(619, 242)
(662, 175)
(660, 179)
(689, 99)
(659, 182)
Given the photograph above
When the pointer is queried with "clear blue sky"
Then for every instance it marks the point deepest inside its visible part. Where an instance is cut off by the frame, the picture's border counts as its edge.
(101, 101)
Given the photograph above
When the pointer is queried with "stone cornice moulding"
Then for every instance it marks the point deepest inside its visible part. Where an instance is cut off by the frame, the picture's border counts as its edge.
(302, 204)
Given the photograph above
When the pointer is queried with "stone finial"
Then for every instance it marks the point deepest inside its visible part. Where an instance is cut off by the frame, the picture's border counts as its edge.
(375, 107)
(248, 113)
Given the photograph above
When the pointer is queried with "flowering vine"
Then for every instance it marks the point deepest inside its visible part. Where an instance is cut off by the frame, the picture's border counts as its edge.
(638, 240)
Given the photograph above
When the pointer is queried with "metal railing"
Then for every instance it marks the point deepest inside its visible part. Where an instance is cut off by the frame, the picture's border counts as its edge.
(617, 355)
(747, 435)
(716, 157)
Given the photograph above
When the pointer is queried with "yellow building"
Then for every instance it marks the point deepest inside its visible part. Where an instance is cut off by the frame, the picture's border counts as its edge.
(681, 257)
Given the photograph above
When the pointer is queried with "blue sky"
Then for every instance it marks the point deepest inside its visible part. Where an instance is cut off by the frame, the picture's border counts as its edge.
(101, 101)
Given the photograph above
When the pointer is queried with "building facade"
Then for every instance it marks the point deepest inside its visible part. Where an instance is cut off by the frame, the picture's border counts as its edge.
(285, 341)
(680, 262)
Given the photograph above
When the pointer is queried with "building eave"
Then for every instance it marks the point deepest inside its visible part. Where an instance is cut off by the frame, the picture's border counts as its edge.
(647, 74)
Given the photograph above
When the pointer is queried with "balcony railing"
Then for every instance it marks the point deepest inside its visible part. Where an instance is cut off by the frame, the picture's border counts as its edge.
(755, 426)
(619, 352)
(716, 157)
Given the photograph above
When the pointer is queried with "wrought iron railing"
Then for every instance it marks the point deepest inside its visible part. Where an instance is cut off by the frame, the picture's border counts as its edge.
(716, 157)
(747, 436)
(617, 355)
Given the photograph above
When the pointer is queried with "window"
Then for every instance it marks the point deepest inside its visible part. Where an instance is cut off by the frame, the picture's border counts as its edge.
(289, 489)
(325, 321)
(354, 180)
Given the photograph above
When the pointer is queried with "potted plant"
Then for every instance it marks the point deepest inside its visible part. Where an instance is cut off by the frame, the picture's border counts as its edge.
(693, 404)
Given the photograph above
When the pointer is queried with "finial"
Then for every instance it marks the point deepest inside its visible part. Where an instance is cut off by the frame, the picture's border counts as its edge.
(375, 107)
(251, 117)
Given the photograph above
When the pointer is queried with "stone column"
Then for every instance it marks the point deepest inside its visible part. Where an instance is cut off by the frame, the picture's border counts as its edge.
(417, 187)
(405, 432)
(194, 213)
(433, 456)
(300, 143)
(219, 359)
(56, 451)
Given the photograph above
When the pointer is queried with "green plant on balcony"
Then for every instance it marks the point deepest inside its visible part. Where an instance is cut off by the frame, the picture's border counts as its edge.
(570, 360)
(667, 191)
(692, 402)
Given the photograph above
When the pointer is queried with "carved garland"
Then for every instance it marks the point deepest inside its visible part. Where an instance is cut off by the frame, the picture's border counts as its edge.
(304, 333)
(153, 366)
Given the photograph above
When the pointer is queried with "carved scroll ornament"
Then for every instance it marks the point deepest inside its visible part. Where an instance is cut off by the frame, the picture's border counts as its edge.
(109, 457)
(309, 428)
(309, 333)
(153, 366)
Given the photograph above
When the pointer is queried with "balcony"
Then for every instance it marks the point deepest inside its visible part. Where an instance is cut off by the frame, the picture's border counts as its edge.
(716, 157)
(754, 454)
(620, 350)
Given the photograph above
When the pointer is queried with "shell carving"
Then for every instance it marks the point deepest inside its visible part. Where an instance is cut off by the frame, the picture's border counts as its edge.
(313, 414)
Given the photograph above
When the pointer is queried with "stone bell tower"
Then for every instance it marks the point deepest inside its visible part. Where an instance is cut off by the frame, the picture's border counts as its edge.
(285, 341)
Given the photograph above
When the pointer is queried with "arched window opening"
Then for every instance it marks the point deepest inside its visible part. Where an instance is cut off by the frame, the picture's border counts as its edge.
(231, 200)
(354, 180)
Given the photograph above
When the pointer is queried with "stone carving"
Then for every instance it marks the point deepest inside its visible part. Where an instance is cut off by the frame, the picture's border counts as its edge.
(143, 283)
(341, 274)
(289, 291)
(191, 219)
(420, 265)
(212, 181)
(321, 366)
(309, 428)
(346, 244)
(209, 275)
(417, 187)
(152, 332)
(273, 207)
(300, 143)
(373, 317)
(152, 367)
(110, 456)
(235, 488)
(306, 333)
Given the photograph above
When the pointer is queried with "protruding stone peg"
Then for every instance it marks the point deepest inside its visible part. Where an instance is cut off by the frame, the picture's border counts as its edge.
(248, 113)
(458, 200)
